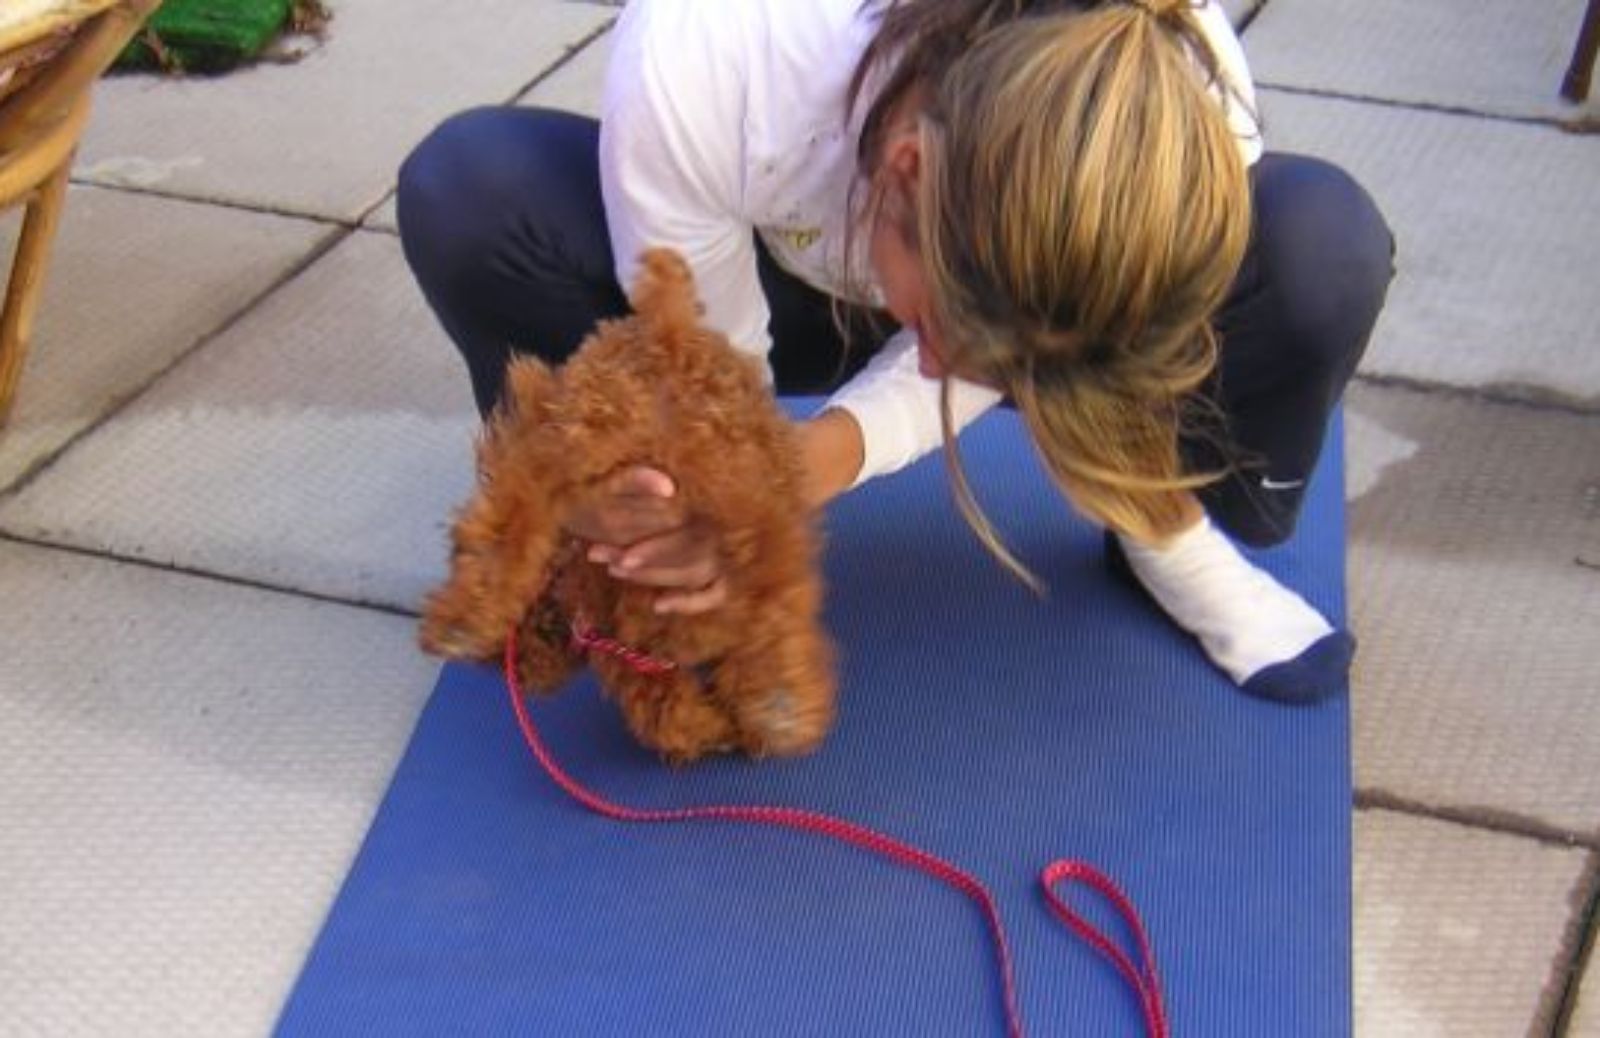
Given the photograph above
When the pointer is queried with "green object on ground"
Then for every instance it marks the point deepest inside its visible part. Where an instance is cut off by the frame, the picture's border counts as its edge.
(206, 35)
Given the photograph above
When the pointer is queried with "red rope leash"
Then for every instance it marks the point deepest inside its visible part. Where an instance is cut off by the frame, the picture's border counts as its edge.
(1141, 977)
(585, 638)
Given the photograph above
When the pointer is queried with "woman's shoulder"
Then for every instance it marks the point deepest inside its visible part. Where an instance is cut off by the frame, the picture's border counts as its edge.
(762, 35)
(775, 66)
(1236, 93)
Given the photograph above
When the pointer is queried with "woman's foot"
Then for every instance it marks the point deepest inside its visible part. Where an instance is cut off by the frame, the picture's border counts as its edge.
(1268, 639)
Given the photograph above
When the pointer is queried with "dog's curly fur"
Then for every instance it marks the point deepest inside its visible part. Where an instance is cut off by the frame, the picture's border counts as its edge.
(660, 389)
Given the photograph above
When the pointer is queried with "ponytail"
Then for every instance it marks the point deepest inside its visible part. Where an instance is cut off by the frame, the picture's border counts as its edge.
(1081, 213)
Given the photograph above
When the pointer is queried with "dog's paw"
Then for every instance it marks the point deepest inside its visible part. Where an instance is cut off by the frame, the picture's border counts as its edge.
(672, 715)
(690, 742)
(779, 723)
(455, 641)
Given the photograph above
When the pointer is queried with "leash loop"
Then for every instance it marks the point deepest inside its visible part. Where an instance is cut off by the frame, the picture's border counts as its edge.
(1141, 977)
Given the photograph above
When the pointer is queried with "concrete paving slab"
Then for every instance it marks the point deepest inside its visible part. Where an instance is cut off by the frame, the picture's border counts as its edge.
(1586, 1018)
(1496, 227)
(574, 87)
(320, 444)
(1475, 593)
(186, 770)
(1504, 57)
(1457, 931)
(324, 136)
(134, 282)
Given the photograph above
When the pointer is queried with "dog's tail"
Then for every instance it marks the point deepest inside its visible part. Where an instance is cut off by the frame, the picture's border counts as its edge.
(664, 295)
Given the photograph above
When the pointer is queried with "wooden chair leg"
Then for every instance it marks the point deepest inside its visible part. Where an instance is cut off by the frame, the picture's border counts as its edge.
(1575, 87)
(39, 225)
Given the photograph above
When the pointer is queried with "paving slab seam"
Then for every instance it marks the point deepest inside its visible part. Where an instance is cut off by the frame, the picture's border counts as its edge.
(318, 250)
(225, 203)
(566, 59)
(1527, 397)
(1489, 819)
(227, 579)
(573, 50)
(1250, 16)
(1580, 123)
(1578, 945)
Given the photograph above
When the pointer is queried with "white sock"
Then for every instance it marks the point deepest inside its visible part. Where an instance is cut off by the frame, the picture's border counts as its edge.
(1245, 620)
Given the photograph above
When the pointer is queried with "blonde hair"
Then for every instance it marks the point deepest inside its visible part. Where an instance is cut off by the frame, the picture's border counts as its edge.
(1081, 211)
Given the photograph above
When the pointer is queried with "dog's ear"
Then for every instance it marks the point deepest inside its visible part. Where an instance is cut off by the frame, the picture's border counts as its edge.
(663, 292)
(506, 536)
(530, 387)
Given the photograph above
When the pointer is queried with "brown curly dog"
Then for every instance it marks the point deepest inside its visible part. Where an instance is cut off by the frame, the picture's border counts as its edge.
(656, 388)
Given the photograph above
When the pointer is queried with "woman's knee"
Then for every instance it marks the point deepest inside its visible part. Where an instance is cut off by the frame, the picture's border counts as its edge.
(1327, 252)
(455, 181)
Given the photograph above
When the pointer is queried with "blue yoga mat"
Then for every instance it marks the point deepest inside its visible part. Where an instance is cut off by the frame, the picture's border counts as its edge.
(987, 726)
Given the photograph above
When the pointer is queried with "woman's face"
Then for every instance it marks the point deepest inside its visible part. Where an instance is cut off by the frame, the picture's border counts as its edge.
(892, 248)
(905, 292)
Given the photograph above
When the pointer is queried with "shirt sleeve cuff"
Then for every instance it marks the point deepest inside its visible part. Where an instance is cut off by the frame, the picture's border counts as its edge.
(897, 408)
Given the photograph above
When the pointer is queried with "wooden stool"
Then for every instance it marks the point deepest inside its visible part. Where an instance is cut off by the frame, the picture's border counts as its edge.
(1575, 87)
(51, 53)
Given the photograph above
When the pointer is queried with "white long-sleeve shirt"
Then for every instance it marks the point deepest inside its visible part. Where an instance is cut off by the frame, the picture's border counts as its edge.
(726, 119)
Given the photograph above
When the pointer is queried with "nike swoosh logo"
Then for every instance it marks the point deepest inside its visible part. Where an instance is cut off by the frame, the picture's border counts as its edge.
(1287, 484)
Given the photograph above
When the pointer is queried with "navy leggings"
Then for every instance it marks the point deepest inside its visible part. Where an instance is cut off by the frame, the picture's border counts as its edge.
(503, 226)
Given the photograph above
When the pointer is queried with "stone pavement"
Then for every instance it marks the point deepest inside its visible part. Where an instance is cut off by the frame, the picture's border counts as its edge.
(240, 435)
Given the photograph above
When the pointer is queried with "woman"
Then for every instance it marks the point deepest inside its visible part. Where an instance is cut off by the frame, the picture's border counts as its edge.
(1059, 204)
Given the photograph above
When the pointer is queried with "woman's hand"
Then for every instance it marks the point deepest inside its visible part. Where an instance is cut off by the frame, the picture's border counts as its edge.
(638, 529)
(831, 454)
